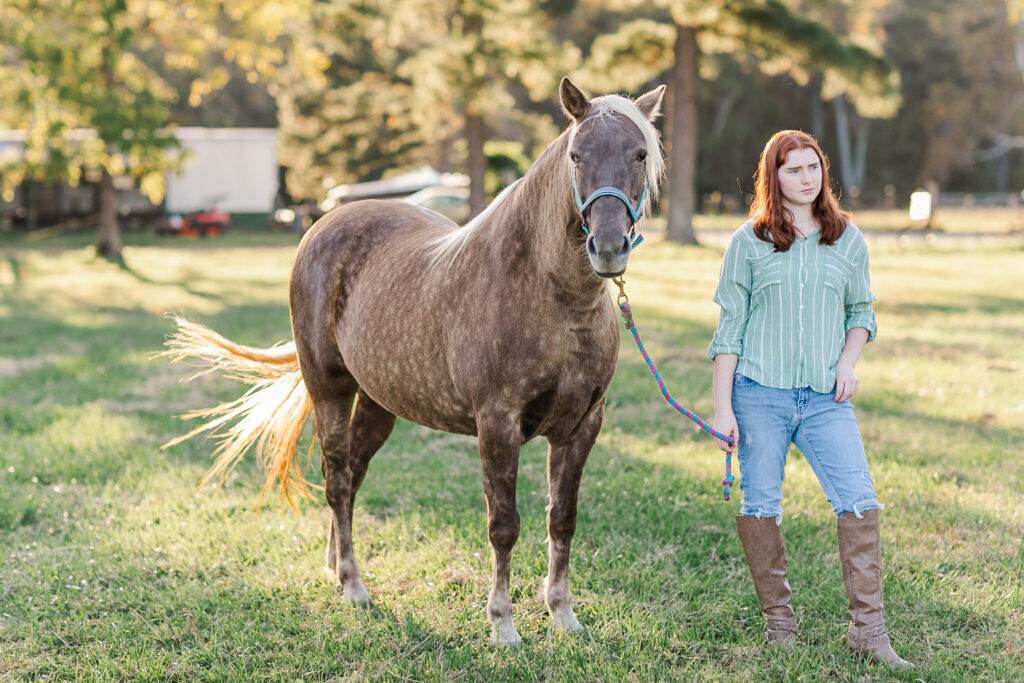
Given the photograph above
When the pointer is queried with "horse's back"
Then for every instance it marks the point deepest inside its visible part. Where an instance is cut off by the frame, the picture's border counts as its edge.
(364, 299)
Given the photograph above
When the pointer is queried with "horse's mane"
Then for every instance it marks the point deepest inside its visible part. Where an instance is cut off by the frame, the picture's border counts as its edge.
(451, 245)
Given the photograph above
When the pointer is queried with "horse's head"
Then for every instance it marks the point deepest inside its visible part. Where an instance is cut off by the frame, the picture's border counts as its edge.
(615, 166)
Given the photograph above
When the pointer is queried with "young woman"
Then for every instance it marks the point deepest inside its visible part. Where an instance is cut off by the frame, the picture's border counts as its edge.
(796, 314)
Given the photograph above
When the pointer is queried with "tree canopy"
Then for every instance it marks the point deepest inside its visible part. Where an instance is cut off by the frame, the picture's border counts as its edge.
(899, 92)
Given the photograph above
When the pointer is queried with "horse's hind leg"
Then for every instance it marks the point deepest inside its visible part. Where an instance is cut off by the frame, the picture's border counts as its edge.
(332, 426)
(565, 468)
(368, 428)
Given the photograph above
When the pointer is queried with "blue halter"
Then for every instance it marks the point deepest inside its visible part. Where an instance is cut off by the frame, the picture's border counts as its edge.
(635, 238)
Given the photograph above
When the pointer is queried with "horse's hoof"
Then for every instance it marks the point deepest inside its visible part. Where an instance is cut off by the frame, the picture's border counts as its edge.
(356, 593)
(505, 636)
(566, 623)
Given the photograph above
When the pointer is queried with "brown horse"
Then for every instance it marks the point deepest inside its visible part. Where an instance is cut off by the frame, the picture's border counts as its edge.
(502, 329)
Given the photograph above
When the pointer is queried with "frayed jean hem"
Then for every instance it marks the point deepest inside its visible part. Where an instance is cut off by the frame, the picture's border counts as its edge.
(763, 514)
(860, 507)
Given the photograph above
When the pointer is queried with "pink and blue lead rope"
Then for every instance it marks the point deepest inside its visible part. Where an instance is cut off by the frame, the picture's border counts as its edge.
(627, 319)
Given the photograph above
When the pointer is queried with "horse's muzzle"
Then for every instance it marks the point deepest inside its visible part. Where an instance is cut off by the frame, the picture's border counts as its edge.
(608, 257)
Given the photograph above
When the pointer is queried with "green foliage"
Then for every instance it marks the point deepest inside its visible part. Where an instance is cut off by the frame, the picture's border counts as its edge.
(966, 93)
(82, 97)
(89, 81)
(114, 567)
(352, 121)
(506, 162)
(772, 36)
(401, 79)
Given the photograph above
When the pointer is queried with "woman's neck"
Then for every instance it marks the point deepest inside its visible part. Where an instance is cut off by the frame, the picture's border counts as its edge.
(803, 218)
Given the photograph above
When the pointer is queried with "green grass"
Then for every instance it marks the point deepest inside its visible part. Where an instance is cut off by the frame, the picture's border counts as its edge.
(114, 568)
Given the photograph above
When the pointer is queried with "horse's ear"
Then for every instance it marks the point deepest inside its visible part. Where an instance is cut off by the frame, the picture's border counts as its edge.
(574, 101)
(650, 103)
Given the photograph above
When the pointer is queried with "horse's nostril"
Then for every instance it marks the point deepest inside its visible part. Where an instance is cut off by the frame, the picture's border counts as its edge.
(591, 247)
(624, 249)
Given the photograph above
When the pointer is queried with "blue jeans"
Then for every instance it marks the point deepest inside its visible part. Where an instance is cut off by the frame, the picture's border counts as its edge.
(826, 433)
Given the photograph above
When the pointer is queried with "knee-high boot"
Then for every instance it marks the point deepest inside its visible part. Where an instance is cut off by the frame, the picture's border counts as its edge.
(860, 553)
(766, 558)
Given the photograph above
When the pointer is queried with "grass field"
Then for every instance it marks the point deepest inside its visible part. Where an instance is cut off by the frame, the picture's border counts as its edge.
(114, 568)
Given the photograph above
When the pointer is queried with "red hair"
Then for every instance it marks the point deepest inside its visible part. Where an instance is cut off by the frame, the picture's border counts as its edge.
(773, 222)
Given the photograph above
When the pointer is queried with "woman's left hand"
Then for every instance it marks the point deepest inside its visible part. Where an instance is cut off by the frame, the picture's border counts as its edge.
(846, 382)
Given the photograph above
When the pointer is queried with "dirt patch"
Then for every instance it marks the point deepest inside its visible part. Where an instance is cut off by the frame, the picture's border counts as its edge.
(12, 367)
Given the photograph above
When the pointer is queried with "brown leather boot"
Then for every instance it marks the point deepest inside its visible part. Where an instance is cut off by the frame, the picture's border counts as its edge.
(860, 553)
(766, 558)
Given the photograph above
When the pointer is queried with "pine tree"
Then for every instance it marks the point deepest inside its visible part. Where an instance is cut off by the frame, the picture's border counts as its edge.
(674, 35)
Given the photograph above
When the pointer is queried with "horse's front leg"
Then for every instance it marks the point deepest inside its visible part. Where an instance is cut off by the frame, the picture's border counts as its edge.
(500, 439)
(565, 468)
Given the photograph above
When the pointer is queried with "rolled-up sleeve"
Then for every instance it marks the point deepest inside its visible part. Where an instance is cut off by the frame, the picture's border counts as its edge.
(733, 295)
(859, 311)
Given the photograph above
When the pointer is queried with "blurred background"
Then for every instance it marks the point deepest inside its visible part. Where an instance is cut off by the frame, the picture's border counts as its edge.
(184, 118)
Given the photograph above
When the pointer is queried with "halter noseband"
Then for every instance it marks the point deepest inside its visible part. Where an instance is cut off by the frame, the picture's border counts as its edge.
(634, 214)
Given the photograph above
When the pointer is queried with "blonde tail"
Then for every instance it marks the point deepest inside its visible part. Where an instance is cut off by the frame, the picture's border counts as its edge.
(270, 416)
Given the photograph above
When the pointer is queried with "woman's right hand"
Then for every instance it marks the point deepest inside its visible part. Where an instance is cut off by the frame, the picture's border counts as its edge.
(726, 424)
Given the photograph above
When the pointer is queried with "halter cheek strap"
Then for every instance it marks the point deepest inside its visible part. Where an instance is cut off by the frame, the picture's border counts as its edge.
(635, 237)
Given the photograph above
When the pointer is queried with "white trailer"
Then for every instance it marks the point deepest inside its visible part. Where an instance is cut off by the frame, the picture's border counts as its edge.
(230, 169)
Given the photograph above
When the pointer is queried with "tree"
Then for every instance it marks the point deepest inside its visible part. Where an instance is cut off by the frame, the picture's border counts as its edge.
(766, 33)
(408, 82)
(85, 80)
(470, 57)
(964, 104)
(349, 117)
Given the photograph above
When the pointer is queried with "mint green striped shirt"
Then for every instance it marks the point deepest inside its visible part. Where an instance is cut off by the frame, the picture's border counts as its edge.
(786, 314)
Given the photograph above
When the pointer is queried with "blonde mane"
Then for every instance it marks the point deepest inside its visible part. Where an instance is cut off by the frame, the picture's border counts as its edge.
(452, 243)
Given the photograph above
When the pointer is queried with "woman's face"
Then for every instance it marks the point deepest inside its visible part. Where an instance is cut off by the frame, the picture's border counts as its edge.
(800, 177)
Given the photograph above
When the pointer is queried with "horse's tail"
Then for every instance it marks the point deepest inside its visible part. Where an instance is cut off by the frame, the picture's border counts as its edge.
(270, 416)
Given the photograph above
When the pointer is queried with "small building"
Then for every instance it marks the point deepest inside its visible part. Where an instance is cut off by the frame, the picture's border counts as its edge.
(230, 169)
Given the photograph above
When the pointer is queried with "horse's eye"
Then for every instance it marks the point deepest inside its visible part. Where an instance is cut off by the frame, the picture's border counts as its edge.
(574, 157)
(641, 155)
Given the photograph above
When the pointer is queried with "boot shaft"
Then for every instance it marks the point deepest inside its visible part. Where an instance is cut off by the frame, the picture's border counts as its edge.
(860, 555)
(766, 558)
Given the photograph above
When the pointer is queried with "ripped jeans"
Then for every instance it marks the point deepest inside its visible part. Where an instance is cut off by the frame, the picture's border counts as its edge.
(826, 433)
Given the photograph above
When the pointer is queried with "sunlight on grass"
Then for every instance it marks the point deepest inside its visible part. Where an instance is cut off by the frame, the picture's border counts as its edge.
(115, 567)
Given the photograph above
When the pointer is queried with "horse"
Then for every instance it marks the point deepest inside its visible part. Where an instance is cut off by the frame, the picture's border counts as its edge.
(502, 329)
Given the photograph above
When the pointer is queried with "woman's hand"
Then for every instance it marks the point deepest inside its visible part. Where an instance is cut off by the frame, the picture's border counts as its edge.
(846, 382)
(726, 424)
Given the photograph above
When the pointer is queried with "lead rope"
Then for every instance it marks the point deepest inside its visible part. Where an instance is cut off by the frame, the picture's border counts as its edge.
(627, 319)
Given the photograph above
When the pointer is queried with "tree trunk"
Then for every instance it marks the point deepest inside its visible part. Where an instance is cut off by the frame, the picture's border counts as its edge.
(682, 138)
(31, 205)
(852, 152)
(860, 153)
(477, 163)
(817, 109)
(108, 245)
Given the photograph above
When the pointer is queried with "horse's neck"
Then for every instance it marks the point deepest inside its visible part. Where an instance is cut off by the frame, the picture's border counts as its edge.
(531, 227)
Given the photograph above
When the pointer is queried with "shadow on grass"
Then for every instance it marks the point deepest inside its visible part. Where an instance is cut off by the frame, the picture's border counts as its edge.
(965, 303)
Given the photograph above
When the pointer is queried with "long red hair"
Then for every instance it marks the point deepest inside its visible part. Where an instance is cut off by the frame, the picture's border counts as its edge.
(773, 222)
